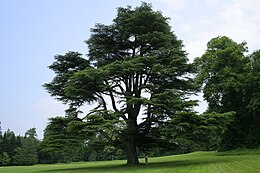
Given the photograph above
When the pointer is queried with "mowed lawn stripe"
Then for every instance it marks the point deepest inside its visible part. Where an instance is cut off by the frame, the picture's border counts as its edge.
(247, 165)
(197, 162)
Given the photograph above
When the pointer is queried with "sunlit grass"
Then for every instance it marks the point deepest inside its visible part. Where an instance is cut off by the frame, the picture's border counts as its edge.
(245, 161)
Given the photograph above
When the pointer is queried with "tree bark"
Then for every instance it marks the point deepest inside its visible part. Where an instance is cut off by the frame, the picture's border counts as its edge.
(132, 157)
(132, 110)
(131, 147)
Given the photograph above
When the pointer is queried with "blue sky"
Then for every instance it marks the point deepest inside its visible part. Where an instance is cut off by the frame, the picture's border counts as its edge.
(32, 32)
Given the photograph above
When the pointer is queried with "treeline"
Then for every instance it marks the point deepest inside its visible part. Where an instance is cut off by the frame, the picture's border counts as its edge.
(63, 142)
(230, 81)
(60, 145)
(67, 139)
(19, 150)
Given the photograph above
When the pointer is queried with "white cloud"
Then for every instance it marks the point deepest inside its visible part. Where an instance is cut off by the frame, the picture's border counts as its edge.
(212, 3)
(171, 8)
(195, 48)
(199, 21)
(240, 20)
(178, 5)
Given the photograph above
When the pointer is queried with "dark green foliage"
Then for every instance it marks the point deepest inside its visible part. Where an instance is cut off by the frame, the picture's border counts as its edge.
(67, 139)
(254, 82)
(64, 67)
(9, 143)
(17, 150)
(1, 140)
(194, 132)
(31, 133)
(60, 144)
(252, 86)
(5, 158)
(98, 147)
(134, 64)
(0, 131)
(230, 82)
(27, 154)
(222, 69)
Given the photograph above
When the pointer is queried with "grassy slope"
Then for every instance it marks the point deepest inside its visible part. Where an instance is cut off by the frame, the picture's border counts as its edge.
(199, 162)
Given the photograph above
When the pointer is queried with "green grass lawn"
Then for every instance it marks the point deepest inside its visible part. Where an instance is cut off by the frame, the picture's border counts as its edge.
(247, 161)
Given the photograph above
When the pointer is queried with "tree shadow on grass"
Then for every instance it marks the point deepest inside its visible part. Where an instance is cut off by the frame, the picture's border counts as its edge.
(140, 167)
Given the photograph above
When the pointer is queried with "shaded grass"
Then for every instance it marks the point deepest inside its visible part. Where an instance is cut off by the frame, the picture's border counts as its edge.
(240, 152)
(246, 161)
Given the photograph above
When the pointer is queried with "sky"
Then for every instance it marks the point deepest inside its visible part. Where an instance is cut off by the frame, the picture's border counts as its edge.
(33, 32)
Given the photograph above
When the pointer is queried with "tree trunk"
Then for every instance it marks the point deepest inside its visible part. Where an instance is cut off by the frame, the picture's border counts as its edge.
(131, 148)
(131, 151)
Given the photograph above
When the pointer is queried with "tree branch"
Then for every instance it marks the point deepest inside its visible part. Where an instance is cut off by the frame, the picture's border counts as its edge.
(113, 101)
(103, 101)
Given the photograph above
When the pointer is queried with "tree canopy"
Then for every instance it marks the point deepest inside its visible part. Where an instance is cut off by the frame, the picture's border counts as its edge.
(230, 82)
(136, 72)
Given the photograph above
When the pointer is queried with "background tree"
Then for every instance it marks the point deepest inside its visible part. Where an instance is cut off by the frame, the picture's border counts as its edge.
(67, 139)
(138, 65)
(226, 77)
(254, 105)
(27, 154)
(252, 85)
(59, 143)
(1, 140)
(4, 158)
(0, 130)
(203, 132)
(9, 143)
(31, 133)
